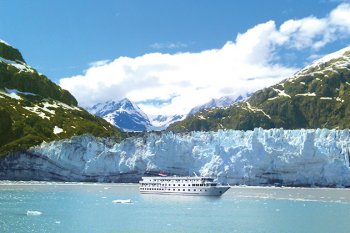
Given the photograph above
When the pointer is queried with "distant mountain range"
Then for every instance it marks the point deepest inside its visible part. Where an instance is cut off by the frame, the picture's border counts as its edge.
(318, 96)
(33, 109)
(161, 122)
(128, 117)
(224, 101)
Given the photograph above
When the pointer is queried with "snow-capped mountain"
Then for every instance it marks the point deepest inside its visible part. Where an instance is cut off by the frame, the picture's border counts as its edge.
(123, 114)
(161, 122)
(224, 101)
(317, 96)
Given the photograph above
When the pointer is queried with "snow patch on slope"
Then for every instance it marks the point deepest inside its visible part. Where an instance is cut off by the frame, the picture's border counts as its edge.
(20, 66)
(254, 109)
(57, 130)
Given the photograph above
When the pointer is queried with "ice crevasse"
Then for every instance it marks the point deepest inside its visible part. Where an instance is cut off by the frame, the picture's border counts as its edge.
(313, 157)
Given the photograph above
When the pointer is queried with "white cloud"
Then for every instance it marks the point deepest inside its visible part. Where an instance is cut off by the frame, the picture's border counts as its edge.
(183, 80)
(312, 32)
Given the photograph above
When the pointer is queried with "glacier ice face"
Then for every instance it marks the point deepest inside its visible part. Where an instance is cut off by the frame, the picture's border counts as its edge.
(261, 157)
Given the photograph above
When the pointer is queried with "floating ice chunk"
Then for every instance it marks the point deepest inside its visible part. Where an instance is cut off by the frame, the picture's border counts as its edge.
(121, 201)
(33, 213)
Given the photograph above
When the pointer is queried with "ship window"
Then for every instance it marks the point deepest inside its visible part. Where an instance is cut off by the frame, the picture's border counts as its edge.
(173, 189)
(178, 185)
(205, 190)
(174, 184)
(189, 184)
(184, 185)
(184, 190)
(178, 190)
(194, 189)
(200, 190)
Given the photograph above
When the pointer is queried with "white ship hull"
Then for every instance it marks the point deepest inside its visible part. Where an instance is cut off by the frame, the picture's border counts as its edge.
(217, 191)
(192, 186)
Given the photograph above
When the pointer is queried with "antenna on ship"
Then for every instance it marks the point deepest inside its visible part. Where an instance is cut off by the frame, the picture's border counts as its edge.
(195, 174)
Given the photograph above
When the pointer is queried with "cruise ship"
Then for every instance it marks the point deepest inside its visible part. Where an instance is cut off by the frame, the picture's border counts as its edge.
(196, 186)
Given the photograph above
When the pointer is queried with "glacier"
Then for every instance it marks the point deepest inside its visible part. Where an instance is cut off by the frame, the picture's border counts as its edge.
(312, 157)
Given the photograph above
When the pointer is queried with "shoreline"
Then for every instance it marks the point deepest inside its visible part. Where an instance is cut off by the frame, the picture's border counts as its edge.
(33, 182)
(238, 193)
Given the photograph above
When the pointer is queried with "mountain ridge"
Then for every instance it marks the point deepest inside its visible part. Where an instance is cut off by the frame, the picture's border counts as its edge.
(315, 97)
(122, 114)
(33, 109)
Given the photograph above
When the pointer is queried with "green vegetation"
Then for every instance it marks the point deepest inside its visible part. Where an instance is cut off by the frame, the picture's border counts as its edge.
(31, 81)
(31, 118)
(318, 97)
(10, 53)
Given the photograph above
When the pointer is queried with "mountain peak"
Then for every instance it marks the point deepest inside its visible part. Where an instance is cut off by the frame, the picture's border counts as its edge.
(127, 104)
(329, 63)
(224, 101)
(331, 56)
(35, 109)
(10, 53)
(315, 97)
(122, 114)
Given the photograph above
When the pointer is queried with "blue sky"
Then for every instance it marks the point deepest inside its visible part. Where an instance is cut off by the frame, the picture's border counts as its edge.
(60, 38)
(64, 39)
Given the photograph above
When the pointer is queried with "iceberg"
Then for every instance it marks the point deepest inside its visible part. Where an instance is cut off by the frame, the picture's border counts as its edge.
(33, 213)
(126, 201)
(312, 157)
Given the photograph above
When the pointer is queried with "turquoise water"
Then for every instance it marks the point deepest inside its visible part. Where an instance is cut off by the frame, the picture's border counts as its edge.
(90, 208)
